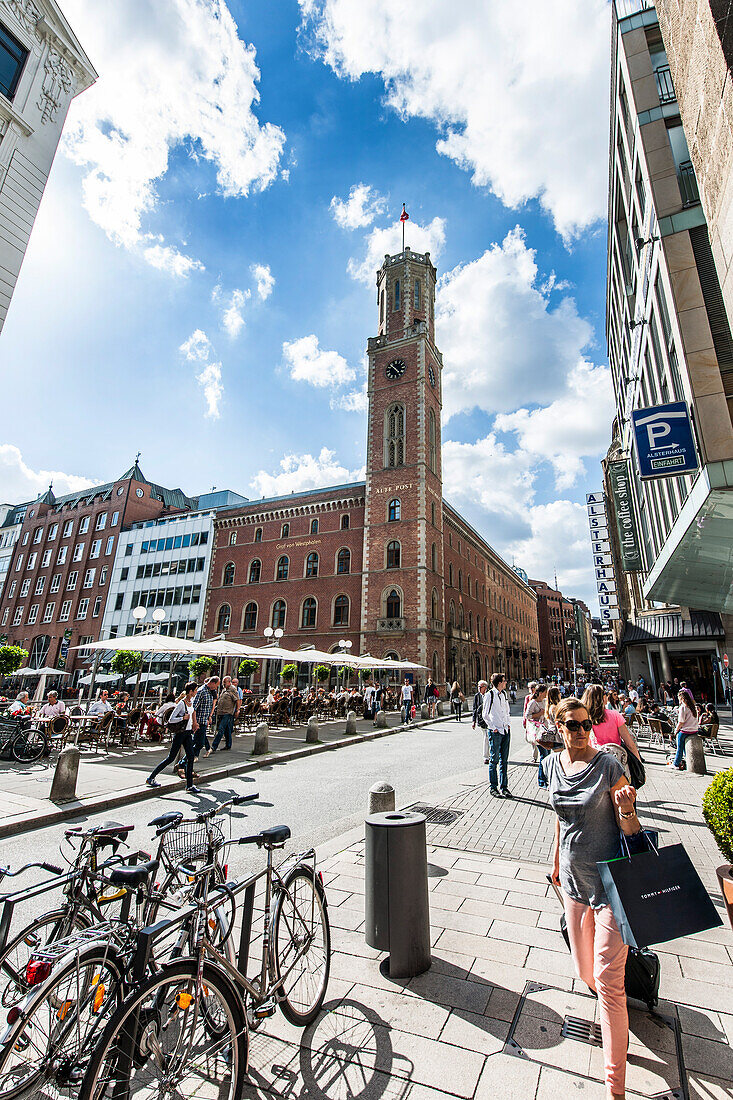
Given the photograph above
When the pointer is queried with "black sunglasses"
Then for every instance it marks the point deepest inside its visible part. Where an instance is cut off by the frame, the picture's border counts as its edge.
(572, 726)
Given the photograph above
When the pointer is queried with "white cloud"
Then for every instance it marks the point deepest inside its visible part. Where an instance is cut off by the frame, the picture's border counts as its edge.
(517, 92)
(210, 381)
(573, 427)
(381, 242)
(198, 349)
(18, 482)
(502, 342)
(559, 541)
(307, 362)
(363, 205)
(173, 73)
(232, 305)
(264, 278)
(353, 401)
(485, 474)
(299, 472)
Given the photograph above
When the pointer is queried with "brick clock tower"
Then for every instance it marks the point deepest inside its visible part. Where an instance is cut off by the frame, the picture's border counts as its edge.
(402, 588)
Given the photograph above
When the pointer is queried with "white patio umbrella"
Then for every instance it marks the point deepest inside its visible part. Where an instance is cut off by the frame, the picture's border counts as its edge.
(101, 678)
(148, 677)
(144, 643)
(41, 685)
(222, 647)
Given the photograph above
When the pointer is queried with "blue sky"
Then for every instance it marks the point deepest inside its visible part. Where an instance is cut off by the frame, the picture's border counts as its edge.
(200, 281)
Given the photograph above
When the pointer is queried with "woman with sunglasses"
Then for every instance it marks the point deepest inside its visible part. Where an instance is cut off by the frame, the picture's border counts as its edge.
(591, 796)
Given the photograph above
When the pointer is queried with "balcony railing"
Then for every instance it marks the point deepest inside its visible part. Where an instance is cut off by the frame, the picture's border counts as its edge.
(390, 626)
(436, 625)
(688, 184)
(665, 87)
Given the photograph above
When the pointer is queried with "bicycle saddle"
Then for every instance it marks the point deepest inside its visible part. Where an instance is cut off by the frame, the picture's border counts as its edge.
(274, 836)
(173, 816)
(133, 876)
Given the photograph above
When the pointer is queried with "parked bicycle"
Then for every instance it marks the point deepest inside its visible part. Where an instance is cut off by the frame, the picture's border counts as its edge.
(21, 740)
(184, 1031)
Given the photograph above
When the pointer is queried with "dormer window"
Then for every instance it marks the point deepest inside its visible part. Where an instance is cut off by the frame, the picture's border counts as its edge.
(12, 60)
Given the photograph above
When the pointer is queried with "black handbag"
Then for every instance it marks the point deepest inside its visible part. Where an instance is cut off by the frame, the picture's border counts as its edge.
(637, 772)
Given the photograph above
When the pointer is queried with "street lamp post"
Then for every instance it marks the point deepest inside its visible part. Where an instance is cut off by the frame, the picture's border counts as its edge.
(139, 614)
(273, 637)
(346, 645)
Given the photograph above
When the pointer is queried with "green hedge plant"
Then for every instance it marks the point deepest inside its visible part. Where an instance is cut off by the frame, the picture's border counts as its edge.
(12, 657)
(289, 672)
(322, 673)
(717, 809)
(201, 667)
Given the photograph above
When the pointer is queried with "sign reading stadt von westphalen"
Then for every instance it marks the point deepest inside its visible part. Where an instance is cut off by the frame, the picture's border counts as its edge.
(618, 476)
(664, 443)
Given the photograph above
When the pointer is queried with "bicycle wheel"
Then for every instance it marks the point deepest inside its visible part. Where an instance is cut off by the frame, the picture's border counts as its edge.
(301, 946)
(30, 745)
(157, 1043)
(16, 956)
(55, 1031)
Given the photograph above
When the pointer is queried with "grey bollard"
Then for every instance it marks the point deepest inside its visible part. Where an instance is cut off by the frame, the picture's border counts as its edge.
(695, 755)
(381, 720)
(63, 788)
(397, 909)
(439, 708)
(381, 798)
(424, 711)
(311, 733)
(351, 722)
(261, 744)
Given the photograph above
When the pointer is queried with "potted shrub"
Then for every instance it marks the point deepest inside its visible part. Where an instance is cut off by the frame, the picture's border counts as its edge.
(248, 667)
(201, 667)
(717, 809)
(289, 672)
(322, 673)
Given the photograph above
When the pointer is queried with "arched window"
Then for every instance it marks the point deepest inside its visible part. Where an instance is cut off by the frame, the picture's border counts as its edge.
(381, 308)
(285, 531)
(278, 614)
(258, 535)
(343, 561)
(393, 554)
(434, 558)
(228, 578)
(450, 574)
(394, 511)
(345, 522)
(223, 618)
(470, 622)
(397, 294)
(461, 617)
(255, 568)
(394, 436)
(434, 605)
(341, 611)
(314, 526)
(308, 617)
(432, 512)
(460, 581)
(452, 614)
(417, 294)
(311, 565)
(283, 568)
(249, 620)
(232, 538)
(432, 436)
(491, 631)
(477, 667)
(394, 605)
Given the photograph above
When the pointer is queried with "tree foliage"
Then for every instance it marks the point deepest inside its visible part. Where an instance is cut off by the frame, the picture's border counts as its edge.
(289, 672)
(126, 664)
(248, 666)
(200, 667)
(12, 657)
(322, 673)
(717, 809)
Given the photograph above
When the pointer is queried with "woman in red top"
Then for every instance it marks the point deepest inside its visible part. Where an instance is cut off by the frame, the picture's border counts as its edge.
(609, 726)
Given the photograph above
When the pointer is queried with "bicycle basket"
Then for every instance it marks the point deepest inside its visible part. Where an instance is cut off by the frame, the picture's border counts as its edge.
(189, 840)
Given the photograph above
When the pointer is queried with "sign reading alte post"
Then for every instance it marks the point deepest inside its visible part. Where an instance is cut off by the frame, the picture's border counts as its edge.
(665, 446)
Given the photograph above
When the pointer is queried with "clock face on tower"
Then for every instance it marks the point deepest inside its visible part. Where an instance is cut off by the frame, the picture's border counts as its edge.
(431, 376)
(395, 369)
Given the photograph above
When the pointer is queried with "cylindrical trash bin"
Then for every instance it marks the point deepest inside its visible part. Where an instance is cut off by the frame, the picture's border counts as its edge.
(396, 891)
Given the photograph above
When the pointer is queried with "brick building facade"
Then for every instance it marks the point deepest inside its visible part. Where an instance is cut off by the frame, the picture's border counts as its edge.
(555, 616)
(386, 563)
(56, 586)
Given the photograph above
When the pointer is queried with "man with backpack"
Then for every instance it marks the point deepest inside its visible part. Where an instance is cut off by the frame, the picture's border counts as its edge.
(495, 713)
(478, 716)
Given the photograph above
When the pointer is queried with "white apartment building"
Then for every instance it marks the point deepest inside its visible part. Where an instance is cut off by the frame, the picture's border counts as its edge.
(42, 68)
(669, 343)
(11, 522)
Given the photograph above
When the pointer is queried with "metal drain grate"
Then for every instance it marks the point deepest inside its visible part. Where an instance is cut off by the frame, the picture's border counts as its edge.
(434, 814)
(583, 1031)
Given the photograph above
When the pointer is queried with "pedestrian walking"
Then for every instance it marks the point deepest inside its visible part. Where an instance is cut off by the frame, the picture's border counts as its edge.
(431, 696)
(527, 732)
(535, 716)
(688, 723)
(183, 724)
(478, 716)
(227, 709)
(406, 697)
(457, 699)
(593, 800)
(609, 726)
(498, 723)
(203, 705)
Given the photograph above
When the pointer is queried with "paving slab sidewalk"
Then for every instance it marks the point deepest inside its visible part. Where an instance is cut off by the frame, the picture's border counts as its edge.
(108, 779)
(495, 928)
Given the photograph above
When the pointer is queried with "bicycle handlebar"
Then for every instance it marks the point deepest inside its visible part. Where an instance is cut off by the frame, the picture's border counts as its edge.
(50, 867)
(237, 800)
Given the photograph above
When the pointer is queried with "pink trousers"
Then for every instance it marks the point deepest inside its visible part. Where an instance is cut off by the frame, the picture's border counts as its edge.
(599, 955)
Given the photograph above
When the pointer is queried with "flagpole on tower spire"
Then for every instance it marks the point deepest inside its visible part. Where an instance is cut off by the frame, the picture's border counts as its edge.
(404, 216)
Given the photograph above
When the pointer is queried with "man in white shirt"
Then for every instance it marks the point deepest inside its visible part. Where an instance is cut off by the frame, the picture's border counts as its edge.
(53, 708)
(101, 705)
(406, 695)
(496, 715)
(633, 695)
(18, 705)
